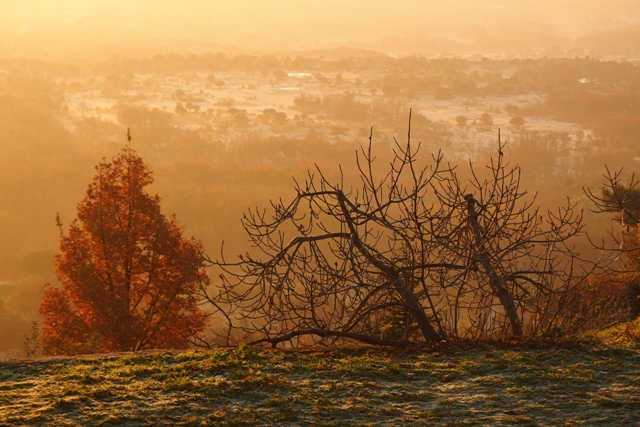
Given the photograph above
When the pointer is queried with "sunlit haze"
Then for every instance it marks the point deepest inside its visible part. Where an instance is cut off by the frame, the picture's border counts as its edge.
(231, 102)
(435, 27)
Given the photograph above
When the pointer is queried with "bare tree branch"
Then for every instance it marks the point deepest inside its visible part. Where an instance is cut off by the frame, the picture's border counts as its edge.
(412, 253)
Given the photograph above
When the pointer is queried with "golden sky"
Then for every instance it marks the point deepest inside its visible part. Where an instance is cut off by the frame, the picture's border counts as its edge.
(46, 28)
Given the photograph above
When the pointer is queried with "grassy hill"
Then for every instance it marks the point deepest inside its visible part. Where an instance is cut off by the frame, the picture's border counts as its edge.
(580, 384)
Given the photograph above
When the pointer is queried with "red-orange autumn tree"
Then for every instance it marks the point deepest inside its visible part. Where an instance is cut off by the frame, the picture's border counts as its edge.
(128, 278)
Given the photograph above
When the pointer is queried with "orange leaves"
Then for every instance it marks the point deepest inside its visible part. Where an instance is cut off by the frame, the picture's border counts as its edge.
(128, 276)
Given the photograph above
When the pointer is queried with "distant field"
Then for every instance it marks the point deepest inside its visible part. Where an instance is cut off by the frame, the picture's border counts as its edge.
(487, 386)
(254, 93)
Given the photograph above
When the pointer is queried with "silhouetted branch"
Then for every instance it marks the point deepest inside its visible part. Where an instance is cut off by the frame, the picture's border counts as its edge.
(412, 253)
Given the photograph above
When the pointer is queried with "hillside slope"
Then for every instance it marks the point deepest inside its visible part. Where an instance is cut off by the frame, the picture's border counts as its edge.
(583, 385)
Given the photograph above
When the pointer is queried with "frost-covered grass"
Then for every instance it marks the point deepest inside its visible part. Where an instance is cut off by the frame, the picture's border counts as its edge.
(581, 385)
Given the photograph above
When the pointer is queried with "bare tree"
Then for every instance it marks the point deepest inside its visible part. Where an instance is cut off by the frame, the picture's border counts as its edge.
(623, 200)
(407, 254)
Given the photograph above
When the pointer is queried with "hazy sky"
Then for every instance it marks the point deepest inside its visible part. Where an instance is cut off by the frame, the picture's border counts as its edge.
(45, 28)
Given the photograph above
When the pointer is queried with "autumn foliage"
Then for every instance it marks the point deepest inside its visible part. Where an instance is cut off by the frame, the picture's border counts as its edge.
(128, 278)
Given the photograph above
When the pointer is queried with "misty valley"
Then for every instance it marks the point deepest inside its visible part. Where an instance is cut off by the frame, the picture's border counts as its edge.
(319, 213)
(210, 214)
(228, 133)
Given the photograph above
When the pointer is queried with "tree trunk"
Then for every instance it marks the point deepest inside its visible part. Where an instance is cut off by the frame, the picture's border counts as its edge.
(497, 283)
(633, 299)
(428, 332)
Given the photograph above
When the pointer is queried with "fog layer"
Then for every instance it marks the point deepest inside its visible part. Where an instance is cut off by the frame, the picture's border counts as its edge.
(437, 27)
